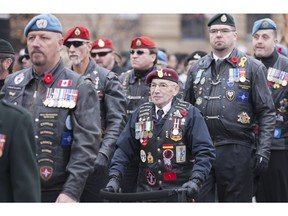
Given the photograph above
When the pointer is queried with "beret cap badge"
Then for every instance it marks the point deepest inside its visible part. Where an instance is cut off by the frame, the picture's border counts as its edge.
(101, 43)
(77, 31)
(223, 18)
(138, 42)
(160, 73)
(265, 24)
(41, 23)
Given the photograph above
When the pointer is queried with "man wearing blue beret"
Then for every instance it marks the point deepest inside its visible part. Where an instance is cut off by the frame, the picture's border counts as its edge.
(65, 110)
(273, 184)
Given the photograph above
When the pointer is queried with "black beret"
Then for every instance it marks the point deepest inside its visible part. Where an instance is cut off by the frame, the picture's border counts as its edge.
(195, 55)
(6, 47)
(222, 19)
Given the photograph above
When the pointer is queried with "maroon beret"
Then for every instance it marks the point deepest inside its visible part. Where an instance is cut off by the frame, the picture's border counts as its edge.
(78, 32)
(142, 42)
(164, 73)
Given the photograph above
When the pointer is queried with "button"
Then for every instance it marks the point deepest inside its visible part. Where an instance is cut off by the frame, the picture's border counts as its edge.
(36, 120)
(36, 137)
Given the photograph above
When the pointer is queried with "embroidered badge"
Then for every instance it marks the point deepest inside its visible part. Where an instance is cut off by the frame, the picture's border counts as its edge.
(150, 177)
(243, 118)
(46, 172)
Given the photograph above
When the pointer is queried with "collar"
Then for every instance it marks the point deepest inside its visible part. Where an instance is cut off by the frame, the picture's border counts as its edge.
(165, 108)
(216, 57)
(270, 60)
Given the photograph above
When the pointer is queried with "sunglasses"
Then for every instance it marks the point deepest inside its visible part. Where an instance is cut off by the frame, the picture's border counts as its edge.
(139, 52)
(26, 57)
(74, 43)
(100, 54)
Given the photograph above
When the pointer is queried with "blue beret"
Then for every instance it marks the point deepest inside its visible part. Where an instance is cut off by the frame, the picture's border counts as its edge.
(43, 22)
(162, 56)
(265, 23)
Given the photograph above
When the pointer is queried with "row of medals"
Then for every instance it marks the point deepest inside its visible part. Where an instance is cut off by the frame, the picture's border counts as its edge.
(61, 98)
(278, 77)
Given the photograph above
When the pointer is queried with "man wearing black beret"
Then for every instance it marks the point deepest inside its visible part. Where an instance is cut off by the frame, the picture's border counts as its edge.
(230, 88)
(7, 59)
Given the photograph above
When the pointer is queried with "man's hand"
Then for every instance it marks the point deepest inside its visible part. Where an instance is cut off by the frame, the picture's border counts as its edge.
(113, 185)
(101, 163)
(193, 186)
(63, 198)
(260, 165)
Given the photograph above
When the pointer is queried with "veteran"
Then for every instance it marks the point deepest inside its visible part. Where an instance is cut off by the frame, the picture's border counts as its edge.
(170, 138)
(65, 111)
(230, 88)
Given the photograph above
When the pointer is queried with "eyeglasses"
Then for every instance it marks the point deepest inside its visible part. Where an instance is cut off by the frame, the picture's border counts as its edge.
(139, 52)
(100, 54)
(222, 31)
(162, 86)
(74, 43)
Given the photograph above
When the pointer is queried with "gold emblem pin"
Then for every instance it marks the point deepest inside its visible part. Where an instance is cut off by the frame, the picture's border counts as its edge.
(138, 42)
(77, 31)
(101, 43)
(160, 73)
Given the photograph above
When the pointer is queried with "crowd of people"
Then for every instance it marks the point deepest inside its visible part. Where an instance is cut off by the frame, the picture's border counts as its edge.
(212, 128)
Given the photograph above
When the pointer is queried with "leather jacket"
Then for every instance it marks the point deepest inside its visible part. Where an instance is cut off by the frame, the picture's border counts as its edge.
(279, 93)
(232, 99)
(113, 105)
(67, 124)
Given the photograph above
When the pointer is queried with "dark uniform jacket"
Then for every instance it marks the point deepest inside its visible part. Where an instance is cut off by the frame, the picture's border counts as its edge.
(19, 177)
(113, 105)
(136, 90)
(67, 124)
(277, 66)
(172, 150)
(233, 100)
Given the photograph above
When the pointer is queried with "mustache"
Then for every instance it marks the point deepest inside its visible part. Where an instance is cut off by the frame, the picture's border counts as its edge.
(36, 51)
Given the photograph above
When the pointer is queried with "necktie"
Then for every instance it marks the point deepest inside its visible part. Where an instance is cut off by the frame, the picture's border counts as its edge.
(160, 113)
(218, 64)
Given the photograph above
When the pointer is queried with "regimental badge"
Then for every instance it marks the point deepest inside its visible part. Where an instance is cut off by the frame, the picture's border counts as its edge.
(177, 114)
(19, 78)
(41, 24)
(46, 172)
(230, 95)
(143, 155)
(77, 31)
(2, 143)
(199, 101)
(168, 154)
(223, 18)
(160, 73)
(150, 177)
(265, 24)
(138, 42)
(150, 158)
(180, 154)
(243, 118)
(101, 43)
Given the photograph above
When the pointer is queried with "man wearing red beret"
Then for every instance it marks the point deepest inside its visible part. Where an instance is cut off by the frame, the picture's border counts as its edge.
(105, 55)
(170, 136)
(143, 58)
(112, 106)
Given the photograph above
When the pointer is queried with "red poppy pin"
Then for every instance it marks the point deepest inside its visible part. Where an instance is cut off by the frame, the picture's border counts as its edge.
(279, 49)
(234, 59)
(48, 78)
(184, 112)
